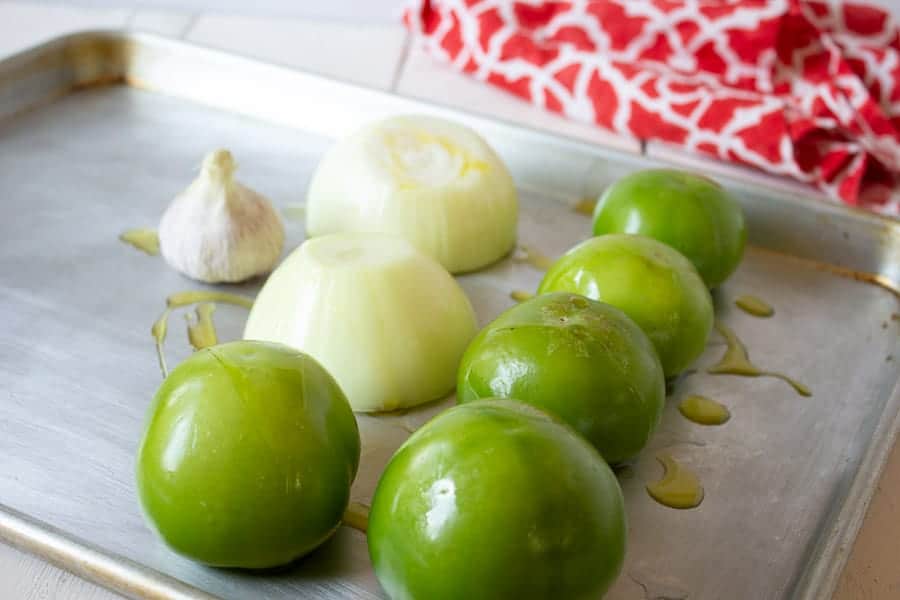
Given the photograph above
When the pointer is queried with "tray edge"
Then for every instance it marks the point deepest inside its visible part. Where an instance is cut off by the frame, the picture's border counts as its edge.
(829, 554)
(107, 569)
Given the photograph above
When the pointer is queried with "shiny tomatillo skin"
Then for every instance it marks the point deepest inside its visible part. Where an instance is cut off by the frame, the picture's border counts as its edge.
(248, 455)
(693, 214)
(582, 360)
(496, 499)
(658, 288)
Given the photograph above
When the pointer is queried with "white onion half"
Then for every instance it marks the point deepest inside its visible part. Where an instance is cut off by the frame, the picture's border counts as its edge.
(388, 322)
(436, 183)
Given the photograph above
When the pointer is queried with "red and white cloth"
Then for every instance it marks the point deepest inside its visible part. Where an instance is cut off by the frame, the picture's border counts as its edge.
(803, 88)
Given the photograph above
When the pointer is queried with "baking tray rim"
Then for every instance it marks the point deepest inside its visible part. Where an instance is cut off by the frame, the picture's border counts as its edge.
(830, 550)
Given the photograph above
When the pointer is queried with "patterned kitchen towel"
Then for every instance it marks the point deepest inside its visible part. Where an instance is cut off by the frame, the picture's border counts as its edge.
(803, 88)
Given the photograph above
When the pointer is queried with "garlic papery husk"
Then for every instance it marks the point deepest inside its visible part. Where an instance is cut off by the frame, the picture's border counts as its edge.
(218, 230)
(433, 182)
(387, 321)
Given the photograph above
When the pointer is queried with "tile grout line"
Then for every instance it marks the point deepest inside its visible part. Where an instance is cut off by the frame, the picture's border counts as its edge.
(192, 20)
(401, 62)
(129, 20)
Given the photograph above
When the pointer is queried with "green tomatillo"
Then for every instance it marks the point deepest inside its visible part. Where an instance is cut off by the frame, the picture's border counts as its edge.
(248, 456)
(583, 360)
(650, 282)
(693, 214)
(496, 499)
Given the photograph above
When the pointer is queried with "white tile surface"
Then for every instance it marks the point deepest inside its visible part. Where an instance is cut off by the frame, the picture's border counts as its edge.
(424, 78)
(24, 24)
(384, 11)
(164, 22)
(714, 167)
(360, 11)
(366, 54)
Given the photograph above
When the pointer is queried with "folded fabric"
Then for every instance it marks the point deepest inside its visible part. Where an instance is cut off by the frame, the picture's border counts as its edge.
(800, 88)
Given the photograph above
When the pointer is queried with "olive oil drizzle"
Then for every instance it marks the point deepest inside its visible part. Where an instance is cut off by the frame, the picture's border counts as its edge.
(736, 361)
(520, 295)
(357, 516)
(181, 299)
(754, 306)
(586, 206)
(158, 331)
(678, 488)
(703, 410)
(201, 330)
(145, 240)
(533, 257)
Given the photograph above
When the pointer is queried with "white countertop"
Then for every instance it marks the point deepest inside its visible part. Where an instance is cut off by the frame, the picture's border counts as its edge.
(357, 40)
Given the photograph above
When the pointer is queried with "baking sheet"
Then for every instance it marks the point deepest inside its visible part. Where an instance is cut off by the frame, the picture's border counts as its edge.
(787, 479)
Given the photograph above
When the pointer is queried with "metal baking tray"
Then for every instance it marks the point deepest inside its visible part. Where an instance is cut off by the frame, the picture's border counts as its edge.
(98, 131)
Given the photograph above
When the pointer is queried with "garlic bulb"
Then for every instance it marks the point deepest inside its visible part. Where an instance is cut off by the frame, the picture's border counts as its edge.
(388, 322)
(218, 230)
(435, 183)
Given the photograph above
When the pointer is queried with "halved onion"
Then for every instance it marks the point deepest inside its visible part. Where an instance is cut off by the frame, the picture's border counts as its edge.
(388, 322)
(436, 183)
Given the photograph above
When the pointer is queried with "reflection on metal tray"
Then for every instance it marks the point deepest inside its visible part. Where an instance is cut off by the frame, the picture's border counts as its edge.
(99, 131)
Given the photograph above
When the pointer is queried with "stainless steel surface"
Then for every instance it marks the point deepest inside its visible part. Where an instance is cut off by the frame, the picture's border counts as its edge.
(787, 479)
(113, 571)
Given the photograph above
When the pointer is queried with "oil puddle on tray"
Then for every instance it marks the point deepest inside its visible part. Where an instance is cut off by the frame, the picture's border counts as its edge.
(736, 361)
(754, 306)
(145, 240)
(533, 257)
(679, 486)
(200, 330)
(703, 410)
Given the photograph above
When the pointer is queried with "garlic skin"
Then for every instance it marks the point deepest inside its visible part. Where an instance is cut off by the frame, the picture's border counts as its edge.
(387, 321)
(433, 182)
(218, 230)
